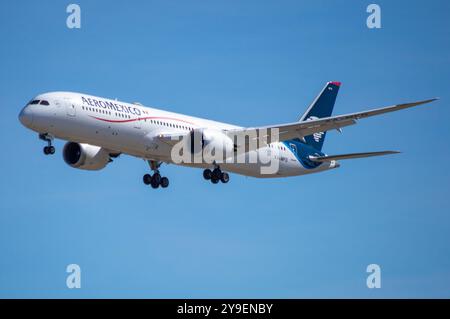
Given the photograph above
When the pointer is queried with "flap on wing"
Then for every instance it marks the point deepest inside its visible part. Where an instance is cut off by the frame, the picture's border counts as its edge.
(329, 158)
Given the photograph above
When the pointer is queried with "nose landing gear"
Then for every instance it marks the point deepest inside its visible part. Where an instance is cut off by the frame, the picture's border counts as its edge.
(49, 149)
(216, 175)
(156, 180)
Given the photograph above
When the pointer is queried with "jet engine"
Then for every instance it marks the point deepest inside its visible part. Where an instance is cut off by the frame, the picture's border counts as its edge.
(212, 143)
(85, 156)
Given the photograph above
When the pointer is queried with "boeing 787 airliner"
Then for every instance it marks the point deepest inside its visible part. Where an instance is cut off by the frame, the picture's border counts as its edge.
(99, 130)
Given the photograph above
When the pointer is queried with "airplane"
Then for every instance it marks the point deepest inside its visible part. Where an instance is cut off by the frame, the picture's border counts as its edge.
(98, 130)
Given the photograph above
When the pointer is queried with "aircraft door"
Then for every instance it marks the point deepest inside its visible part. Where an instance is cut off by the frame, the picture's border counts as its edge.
(71, 109)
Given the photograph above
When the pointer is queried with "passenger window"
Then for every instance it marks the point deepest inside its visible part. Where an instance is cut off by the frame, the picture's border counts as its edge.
(44, 102)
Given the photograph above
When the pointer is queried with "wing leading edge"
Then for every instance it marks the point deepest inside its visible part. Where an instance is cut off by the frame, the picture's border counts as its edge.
(301, 129)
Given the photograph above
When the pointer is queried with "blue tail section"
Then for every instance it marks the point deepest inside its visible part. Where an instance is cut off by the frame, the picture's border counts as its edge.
(302, 152)
(321, 107)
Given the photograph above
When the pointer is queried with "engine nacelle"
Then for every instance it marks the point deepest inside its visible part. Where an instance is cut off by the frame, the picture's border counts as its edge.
(212, 143)
(85, 156)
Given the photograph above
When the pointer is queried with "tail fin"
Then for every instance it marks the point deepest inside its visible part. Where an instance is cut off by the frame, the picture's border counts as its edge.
(321, 107)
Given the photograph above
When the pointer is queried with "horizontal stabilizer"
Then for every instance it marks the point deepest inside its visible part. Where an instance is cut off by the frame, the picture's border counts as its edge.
(329, 158)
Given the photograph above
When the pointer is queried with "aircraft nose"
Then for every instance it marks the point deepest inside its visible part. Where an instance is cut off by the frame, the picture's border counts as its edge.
(26, 116)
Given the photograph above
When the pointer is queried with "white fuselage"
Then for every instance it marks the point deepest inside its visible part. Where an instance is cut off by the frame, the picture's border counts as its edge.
(135, 129)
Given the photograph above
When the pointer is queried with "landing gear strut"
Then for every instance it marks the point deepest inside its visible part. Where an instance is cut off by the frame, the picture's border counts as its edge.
(216, 175)
(49, 149)
(156, 180)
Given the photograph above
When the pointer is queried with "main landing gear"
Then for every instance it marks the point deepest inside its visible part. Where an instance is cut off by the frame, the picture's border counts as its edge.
(156, 180)
(216, 175)
(49, 149)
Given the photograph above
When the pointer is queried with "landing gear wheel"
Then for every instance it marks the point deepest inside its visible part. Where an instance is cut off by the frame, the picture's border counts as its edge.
(164, 182)
(207, 174)
(216, 174)
(156, 178)
(154, 184)
(225, 178)
(147, 179)
(49, 150)
(214, 180)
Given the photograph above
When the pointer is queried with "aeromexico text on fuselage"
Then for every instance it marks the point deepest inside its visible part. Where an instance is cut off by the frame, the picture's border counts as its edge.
(111, 106)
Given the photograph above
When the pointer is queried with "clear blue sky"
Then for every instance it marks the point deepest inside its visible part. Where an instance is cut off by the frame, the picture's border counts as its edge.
(247, 63)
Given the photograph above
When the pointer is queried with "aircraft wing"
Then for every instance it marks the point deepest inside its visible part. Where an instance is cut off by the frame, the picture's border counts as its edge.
(170, 138)
(301, 129)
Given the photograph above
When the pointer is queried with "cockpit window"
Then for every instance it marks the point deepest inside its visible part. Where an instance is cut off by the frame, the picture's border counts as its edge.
(44, 102)
(34, 102)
